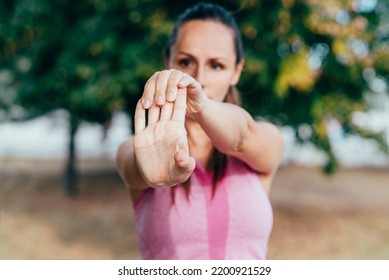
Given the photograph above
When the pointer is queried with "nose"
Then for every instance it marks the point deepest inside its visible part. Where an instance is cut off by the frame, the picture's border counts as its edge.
(201, 75)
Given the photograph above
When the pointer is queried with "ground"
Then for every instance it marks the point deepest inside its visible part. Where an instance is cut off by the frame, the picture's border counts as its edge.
(315, 217)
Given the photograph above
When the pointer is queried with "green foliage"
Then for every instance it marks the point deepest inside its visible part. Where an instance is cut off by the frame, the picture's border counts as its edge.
(304, 59)
(305, 63)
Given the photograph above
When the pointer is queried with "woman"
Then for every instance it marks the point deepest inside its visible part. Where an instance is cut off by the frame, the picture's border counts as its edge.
(201, 169)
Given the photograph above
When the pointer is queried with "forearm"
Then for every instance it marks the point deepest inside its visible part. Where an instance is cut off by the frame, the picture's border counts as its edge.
(227, 125)
(127, 167)
(234, 132)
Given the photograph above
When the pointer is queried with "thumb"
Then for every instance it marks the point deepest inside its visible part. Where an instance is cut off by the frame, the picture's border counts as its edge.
(185, 163)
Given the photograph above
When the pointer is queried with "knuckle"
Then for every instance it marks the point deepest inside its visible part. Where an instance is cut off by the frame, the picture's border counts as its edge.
(155, 75)
(177, 73)
(148, 83)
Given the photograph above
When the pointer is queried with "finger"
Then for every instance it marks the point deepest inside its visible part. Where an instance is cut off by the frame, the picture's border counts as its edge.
(186, 81)
(153, 114)
(180, 106)
(149, 91)
(161, 84)
(189, 82)
(167, 111)
(139, 117)
(171, 89)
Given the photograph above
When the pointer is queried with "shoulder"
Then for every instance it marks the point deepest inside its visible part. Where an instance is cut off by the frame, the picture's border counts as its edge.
(126, 146)
(270, 135)
(273, 152)
(271, 129)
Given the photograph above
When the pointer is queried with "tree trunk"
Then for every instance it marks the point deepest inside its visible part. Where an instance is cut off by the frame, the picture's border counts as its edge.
(70, 173)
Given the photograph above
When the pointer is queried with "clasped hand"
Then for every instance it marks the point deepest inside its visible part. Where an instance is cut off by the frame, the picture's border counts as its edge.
(161, 145)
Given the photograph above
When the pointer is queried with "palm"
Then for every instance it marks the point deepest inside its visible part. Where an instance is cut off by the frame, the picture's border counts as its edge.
(155, 148)
(156, 145)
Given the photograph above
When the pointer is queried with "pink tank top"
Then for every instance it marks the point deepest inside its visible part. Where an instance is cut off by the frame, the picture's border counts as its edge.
(233, 224)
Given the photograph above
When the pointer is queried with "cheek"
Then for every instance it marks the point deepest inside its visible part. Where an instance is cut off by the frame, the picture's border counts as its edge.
(218, 92)
(220, 88)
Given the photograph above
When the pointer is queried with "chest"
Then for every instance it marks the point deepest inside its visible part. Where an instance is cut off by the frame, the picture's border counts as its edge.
(203, 222)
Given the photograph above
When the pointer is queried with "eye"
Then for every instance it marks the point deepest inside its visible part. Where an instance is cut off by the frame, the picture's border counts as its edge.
(217, 66)
(184, 62)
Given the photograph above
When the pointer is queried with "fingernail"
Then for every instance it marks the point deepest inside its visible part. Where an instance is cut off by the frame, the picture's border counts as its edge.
(160, 100)
(170, 96)
(146, 103)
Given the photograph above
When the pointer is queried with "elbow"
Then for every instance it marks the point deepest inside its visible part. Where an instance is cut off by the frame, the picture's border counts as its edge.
(237, 145)
(243, 137)
(123, 159)
(241, 143)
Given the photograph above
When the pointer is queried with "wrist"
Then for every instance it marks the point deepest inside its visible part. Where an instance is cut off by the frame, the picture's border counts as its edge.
(202, 104)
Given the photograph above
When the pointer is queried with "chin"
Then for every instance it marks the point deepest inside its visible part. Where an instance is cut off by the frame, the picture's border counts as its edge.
(216, 99)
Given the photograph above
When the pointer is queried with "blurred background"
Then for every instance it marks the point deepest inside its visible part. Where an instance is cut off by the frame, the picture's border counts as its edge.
(72, 71)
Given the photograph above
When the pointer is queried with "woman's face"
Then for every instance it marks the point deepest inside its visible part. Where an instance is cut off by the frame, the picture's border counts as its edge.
(205, 50)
